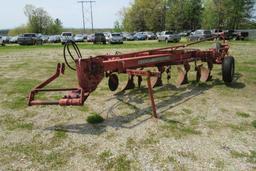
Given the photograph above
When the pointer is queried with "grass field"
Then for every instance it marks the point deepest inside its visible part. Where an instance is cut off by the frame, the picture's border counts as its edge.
(203, 126)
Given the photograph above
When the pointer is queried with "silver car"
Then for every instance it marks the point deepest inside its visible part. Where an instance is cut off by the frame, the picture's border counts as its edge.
(115, 38)
(169, 36)
(66, 36)
(80, 38)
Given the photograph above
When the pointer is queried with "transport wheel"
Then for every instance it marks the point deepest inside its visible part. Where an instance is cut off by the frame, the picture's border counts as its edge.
(113, 82)
(228, 69)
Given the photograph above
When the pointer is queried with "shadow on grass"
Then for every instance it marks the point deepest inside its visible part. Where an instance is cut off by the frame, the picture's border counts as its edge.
(235, 84)
(137, 96)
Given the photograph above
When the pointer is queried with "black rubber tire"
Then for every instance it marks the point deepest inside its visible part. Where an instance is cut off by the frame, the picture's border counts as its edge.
(228, 69)
(113, 82)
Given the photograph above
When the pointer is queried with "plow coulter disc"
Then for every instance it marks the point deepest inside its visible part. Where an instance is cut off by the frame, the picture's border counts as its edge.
(113, 82)
(204, 74)
(181, 76)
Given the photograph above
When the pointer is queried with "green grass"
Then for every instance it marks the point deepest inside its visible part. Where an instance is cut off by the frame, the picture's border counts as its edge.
(250, 157)
(11, 123)
(126, 45)
(60, 134)
(243, 114)
(254, 123)
(130, 143)
(177, 165)
(220, 164)
(35, 153)
(178, 130)
(187, 111)
(117, 163)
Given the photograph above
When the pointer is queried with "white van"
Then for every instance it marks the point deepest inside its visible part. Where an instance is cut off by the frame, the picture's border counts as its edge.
(66, 36)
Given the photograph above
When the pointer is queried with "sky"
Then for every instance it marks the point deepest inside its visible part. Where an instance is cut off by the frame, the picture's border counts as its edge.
(105, 12)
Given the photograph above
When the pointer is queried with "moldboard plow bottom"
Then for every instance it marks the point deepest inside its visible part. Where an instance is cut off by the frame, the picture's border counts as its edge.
(90, 71)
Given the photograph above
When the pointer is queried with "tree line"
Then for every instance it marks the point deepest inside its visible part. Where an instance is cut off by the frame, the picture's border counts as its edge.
(39, 21)
(159, 15)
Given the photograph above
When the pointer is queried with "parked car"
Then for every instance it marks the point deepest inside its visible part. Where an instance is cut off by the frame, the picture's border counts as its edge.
(66, 36)
(90, 38)
(44, 38)
(129, 37)
(199, 35)
(6, 39)
(54, 39)
(99, 38)
(140, 36)
(185, 33)
(80, 38)
(228, 34)
(240, 35)
(169, 36)
(107, 35)
(29, 39)
(14, 39)
(115, 38)
(158, 34)
(1, 41)
(150, 35)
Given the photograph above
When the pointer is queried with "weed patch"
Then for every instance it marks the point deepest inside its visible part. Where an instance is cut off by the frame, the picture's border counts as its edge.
(254, 123)
(243, 114)
(250, 157)
(95, 119)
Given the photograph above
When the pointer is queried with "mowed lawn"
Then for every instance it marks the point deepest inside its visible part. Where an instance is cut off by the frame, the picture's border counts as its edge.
(203, 126)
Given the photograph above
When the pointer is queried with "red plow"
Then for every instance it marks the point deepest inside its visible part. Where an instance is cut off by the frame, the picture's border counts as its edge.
(90, 71)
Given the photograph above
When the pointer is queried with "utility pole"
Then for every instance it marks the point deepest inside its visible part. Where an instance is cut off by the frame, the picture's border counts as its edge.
(91, 13)
(82, 2)
(87, 1)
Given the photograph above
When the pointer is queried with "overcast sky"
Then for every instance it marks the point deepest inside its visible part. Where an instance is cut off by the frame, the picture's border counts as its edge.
(68, 11)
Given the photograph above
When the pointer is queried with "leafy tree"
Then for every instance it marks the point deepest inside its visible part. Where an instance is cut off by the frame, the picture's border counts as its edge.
(117, 27)
(144, 15)
(39, 21)
(227, 14)
(183, 14)
(55, 27)
(158, 15)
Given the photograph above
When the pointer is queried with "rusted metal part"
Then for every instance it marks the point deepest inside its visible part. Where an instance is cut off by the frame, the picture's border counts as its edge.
(91, 71)
(148, 75)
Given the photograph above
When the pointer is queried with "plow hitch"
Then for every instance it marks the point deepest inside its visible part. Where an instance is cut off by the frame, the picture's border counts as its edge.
(75, 96)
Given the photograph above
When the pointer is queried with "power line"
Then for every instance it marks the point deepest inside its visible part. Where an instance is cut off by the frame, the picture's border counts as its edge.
(87, 1)
(82, 2)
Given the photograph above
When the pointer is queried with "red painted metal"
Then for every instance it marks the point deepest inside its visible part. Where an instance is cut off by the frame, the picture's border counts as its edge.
(91, 71)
